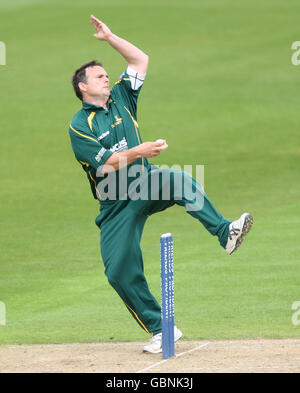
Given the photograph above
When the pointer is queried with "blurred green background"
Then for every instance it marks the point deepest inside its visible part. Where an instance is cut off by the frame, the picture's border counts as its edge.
(222, 90)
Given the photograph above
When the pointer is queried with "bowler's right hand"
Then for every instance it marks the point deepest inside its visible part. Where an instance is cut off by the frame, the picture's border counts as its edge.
(103, 32)
(152, 149)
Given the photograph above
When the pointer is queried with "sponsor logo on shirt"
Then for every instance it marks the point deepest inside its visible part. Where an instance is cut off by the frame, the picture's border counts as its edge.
(103, 135)
(120, 146)
(100, 154)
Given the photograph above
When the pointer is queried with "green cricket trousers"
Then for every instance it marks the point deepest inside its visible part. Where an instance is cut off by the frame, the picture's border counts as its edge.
(121, 223)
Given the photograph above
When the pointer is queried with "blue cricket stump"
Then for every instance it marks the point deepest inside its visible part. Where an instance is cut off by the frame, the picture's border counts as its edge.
(167, 295)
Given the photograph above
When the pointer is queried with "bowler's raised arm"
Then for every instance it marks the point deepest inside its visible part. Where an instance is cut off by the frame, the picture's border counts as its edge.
(135, 58)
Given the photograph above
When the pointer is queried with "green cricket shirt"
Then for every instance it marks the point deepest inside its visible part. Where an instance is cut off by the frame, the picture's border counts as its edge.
(96, 133)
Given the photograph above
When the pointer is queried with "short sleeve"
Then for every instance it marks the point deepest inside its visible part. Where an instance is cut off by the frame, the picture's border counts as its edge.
(87, 149)
(129, 87)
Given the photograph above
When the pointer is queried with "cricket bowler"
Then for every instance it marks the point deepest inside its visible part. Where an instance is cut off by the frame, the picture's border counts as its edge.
(106, 141)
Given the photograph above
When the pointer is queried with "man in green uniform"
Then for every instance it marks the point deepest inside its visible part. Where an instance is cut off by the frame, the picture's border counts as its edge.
(106, 141)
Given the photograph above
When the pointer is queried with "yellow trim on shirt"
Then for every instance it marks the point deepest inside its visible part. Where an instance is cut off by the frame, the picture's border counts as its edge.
(97, 192)
(134, 122)
(123, 79)
(84, 163)
(90, 120)
(84, 136)
(96, 189)
(136, 126)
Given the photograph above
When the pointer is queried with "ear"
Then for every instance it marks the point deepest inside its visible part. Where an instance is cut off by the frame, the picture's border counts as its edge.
(82, 87)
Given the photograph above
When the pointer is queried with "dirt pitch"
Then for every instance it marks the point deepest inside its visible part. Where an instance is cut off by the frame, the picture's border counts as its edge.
(233, 356)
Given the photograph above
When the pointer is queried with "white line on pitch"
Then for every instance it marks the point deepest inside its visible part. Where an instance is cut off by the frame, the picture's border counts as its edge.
(153, 365)
(192, 350)
(180, 354)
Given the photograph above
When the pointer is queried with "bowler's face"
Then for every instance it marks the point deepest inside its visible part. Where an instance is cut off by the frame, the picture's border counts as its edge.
(97, 81)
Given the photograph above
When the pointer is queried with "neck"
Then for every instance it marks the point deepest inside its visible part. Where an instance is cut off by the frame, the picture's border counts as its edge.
(100, 101)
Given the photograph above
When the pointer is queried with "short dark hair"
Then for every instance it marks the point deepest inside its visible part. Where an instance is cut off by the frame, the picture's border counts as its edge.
(80, 76)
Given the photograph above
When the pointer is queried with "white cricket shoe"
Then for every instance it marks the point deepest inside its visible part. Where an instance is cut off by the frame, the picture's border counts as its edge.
(155, 343)
(237, 231)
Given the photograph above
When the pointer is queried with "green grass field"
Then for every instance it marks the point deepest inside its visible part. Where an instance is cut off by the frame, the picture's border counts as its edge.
(222, 90)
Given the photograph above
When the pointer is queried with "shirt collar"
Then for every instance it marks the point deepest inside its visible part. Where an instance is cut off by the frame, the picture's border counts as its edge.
(89, 106)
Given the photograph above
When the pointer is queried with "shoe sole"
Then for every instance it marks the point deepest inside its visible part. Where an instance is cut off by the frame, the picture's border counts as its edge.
(159, 351)
(246, 228)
